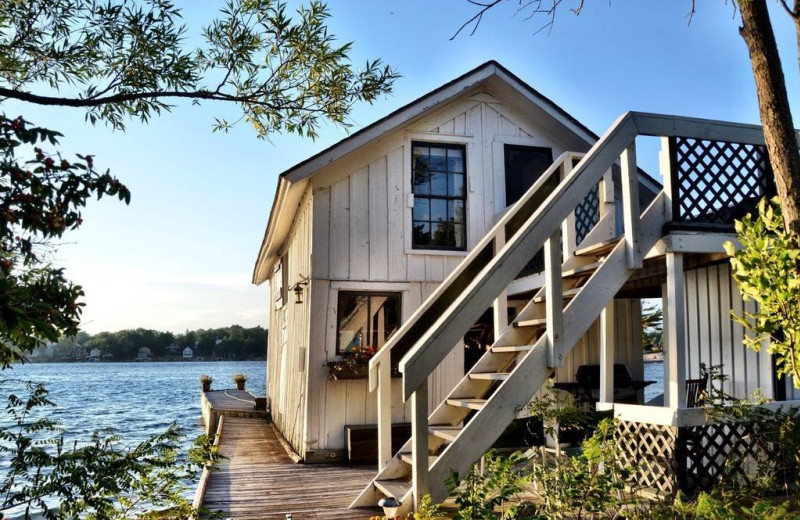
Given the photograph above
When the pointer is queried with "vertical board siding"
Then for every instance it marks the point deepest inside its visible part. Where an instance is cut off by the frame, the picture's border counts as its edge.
(287, 354)
(715, 339)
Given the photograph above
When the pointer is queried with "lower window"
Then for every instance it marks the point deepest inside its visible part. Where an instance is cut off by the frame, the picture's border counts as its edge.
(366, 320)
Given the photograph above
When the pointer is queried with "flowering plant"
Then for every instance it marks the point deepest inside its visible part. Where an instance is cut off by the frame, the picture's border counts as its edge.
(350, 364)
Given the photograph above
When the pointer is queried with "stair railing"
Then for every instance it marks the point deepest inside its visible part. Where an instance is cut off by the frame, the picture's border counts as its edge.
(380, 366)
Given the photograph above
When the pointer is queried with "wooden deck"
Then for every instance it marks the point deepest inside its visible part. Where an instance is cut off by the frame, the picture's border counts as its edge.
(258, 480)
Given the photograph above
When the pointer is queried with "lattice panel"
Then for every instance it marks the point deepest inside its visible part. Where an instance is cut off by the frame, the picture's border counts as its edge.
(731, 449)
(587, 214)
(650, 450)
(718, 182)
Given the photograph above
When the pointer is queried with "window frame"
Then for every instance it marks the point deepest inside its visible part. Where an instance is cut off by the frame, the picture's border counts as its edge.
(452, 144)
(370, 294)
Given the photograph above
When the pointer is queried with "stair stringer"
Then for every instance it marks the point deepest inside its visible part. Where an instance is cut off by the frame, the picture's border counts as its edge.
(532, 370)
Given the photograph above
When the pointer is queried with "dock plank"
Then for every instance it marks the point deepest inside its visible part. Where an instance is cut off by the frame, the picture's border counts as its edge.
(258, 480)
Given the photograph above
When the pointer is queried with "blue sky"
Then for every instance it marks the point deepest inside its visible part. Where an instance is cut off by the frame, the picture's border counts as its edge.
(181, 255)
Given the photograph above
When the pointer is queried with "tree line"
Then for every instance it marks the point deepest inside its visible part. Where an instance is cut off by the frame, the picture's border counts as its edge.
(234, 342)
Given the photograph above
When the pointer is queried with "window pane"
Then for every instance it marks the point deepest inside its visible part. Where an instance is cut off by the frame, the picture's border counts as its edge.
(455, 185)
(421, 182)
(422, 233)
(438, 210)
(442, 234)
(455, 210)
(422, 209)
(352, 321)
(439, 184)
(455, 160)
(438, 160)
(385, 318)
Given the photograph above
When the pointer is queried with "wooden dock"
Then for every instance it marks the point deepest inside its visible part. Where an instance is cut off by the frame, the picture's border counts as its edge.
(229, 403)
(259, 479)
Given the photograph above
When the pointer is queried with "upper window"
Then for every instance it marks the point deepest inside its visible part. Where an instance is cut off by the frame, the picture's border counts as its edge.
(438, 179)
(366, 320)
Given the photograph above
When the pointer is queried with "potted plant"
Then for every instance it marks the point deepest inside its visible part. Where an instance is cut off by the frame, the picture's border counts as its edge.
(353, 364)
(240, 380)
(206, 380)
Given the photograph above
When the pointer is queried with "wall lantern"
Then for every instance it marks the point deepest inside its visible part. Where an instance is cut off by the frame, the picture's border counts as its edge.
(298, 290)
(390, 506)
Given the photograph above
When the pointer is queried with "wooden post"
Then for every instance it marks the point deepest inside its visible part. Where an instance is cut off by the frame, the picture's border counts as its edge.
(554, 301)
(665, 169)
(675, 329)
(419, 443)
(569, 238)
(607, 346)
(384, 412)
(500, 305)
(630, 205)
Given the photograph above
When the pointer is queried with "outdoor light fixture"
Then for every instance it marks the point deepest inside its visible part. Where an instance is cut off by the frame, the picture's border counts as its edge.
(298, 290)
(390, 506)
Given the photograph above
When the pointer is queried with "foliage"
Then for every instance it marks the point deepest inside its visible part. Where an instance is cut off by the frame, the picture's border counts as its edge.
(480, 492)
(349, 363)
(100, 479)
(41, 196)
(239, 378)
(205, 378)
(767, 271)
(652, 328)
(427, 510)
(131, 59)
(234, 342)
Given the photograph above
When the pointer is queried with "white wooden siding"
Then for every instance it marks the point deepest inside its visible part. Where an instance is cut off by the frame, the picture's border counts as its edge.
(287, 352)
(713, 338)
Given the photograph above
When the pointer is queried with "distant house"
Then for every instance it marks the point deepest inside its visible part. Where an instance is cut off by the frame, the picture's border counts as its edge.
(95, 353)
(188, 353)
(174, 349)
(144, 353)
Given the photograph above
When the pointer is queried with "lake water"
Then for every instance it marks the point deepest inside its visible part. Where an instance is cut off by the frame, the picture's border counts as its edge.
(140, 399)
(135, 399)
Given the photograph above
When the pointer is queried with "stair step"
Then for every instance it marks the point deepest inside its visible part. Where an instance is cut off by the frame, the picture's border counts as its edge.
(448, 433)
(474, 404)
(393, 488)
(581, 271)
(536, 322)
(406, 457)
(512, 348)
(569, 293)
(491, 376)
(599, 248)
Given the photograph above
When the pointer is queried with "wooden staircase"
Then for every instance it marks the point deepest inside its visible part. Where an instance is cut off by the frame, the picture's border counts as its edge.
(576, 292)
(503, 381)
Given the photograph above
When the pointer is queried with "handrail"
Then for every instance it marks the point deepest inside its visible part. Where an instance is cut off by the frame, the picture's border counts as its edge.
(476, 258)
(455, 315)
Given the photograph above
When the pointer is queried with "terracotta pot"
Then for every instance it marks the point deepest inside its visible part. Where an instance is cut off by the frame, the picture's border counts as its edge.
(206, 386)
(240, 385)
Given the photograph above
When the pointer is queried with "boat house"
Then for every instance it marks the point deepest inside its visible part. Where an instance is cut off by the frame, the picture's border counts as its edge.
(429, 273)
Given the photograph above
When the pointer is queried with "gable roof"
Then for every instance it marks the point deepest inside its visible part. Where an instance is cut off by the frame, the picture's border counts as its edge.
(292, 182)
